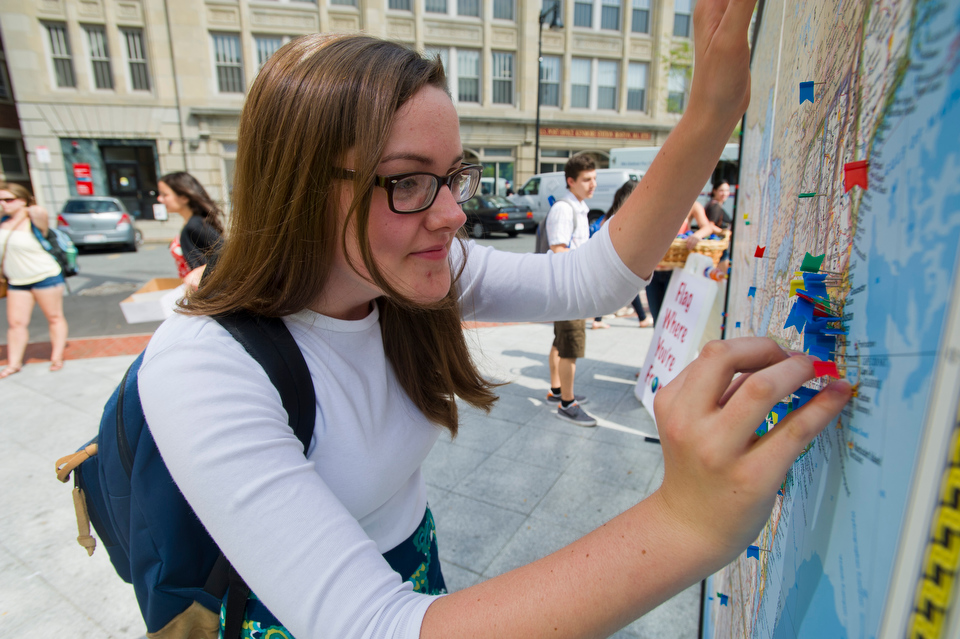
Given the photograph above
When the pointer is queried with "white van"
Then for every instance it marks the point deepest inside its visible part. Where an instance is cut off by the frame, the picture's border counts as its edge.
(536, 193)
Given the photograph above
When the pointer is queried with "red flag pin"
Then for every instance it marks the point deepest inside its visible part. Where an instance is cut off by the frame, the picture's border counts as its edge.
(855, 174)
(760, 250)
(823, 369)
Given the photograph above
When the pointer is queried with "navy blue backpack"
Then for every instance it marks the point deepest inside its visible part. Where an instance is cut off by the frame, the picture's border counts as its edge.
(154, 539)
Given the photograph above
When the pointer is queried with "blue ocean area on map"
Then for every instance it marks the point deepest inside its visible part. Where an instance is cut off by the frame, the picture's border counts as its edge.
(833, 541)
(812, 592)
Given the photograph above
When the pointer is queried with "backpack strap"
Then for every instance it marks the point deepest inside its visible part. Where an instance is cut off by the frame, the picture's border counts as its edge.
(267, 340)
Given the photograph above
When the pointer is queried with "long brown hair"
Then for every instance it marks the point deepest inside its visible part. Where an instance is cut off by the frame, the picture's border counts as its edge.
(315, 99)
(201, 204)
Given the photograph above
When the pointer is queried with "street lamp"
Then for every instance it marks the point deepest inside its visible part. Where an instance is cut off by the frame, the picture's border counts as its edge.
(551, 13)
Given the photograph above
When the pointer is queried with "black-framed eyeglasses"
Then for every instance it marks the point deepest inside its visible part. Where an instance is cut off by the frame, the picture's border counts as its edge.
(415, 192)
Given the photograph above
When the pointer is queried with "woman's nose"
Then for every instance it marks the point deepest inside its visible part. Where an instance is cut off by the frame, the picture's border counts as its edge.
(445, 212)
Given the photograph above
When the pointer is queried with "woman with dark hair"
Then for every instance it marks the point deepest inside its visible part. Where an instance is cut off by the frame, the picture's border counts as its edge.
(33, 275)
(348, 185)
(182, 194)
(618, 199)
(714, 208)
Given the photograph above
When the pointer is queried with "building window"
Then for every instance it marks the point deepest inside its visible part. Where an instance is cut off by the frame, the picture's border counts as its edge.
(11, 159)
(550, 81)
(229, 62)
(137, 58)
(641, 16)
(583, 14)
(349, 3)
(503, 9)
(547, 4)
(682, 11)
(580, 83)
(4, 80)
(550, 160)
(468, 8)
(677, 89)
(60, 53)
(468, 76)
(266, 47)
(399, 5)
(435, 6)
(610, 14)
(99, 56)
(607, 73)
(637, 86)
(502, 78)
(462, 68)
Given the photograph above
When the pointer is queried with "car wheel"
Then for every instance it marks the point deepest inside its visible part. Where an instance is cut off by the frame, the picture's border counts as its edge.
(137, 237)
(477, 230)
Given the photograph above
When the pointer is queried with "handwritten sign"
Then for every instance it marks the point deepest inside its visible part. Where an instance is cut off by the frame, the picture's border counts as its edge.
(676, 337)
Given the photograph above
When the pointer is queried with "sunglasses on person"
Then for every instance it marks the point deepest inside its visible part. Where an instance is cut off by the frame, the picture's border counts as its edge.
(415, 192)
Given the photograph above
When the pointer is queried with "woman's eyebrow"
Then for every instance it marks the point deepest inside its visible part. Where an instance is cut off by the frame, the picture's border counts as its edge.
(416, 157)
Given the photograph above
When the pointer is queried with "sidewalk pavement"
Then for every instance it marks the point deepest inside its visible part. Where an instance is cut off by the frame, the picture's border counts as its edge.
(514, 486)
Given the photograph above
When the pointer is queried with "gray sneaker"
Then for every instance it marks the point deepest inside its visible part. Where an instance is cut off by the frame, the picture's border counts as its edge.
(575, 415)
(580, 399)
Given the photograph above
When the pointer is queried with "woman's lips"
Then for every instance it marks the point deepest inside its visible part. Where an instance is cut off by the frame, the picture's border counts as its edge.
(438, 252)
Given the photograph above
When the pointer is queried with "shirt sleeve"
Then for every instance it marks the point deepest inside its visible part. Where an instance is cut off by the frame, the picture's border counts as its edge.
(510, 287)
(222, 431)
(560, 223)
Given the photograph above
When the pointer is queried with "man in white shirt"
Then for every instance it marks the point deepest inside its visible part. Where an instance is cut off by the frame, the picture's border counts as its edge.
(567, 228)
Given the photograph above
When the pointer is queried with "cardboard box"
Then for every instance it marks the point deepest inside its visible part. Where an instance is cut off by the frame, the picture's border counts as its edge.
(154, 301)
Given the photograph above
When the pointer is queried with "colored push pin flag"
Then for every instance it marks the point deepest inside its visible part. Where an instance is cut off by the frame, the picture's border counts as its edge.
(723, 599)
(753, 551)
(752, 291)
(823, 369)
(760, 251)
(806, 92)
(812, 263)
(855, 174)
(738, 324)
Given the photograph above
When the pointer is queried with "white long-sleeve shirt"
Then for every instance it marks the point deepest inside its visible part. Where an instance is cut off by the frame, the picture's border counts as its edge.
(307, 533)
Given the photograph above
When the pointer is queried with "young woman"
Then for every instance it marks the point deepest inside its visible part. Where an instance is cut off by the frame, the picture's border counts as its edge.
(33, 275)
(349, 177)
(714, 209)
(182, 194)
(618, 199)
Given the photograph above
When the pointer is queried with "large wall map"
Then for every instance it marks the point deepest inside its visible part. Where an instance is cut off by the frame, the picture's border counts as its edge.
(885, 115)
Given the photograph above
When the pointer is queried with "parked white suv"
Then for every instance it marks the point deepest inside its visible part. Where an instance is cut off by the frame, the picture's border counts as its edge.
(536, 193)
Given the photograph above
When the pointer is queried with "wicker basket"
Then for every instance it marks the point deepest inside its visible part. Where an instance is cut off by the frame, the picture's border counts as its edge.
(676, 255)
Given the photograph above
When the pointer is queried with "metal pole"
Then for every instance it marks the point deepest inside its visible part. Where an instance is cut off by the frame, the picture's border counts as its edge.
(536, 147)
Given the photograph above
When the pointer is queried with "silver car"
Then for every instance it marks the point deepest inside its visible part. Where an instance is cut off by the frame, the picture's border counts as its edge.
(93, 221)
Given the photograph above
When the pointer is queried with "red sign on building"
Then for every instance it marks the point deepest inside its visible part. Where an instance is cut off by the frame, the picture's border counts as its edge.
(81, 171)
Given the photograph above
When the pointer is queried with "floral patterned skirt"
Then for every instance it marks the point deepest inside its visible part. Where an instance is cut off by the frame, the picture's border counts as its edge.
(416, 560)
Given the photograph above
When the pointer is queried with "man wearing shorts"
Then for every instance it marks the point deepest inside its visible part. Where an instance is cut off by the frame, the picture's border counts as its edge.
(567, 228)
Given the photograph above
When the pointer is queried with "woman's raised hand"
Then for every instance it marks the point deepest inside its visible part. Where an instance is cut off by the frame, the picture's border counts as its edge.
(721, 79)
(720, 479)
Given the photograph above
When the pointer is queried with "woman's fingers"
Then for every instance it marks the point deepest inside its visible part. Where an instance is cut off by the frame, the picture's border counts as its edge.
(752, 402)
(710, 375)
(781, 446)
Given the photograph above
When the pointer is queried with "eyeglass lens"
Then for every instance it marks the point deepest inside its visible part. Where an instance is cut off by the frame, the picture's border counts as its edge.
(418, 191)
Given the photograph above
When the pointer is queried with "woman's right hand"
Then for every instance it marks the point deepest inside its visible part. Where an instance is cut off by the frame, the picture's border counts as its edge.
(720, 478)
(721, 85)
